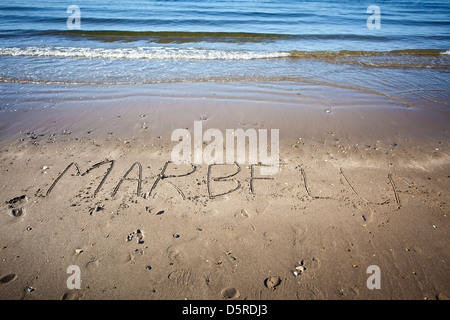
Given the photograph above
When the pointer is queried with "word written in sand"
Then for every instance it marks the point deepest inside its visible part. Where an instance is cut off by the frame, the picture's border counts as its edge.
(162, 176)
(136, 173)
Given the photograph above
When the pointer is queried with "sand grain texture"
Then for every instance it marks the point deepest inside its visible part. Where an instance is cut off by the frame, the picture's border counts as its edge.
(345, 198)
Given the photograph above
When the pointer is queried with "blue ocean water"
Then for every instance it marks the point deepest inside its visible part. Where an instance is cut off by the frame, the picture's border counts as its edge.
(343, 42)
(313, 25)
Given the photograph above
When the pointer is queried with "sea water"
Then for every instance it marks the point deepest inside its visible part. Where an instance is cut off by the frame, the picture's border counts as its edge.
(390, 47)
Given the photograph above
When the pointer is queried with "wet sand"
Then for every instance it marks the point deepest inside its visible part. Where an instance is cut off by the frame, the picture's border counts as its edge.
(363, 180)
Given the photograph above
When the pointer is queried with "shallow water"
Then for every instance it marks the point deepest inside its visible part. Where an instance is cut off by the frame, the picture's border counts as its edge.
(326, 42)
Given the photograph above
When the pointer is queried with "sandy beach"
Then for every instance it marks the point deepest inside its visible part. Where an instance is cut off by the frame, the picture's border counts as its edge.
(363, 180)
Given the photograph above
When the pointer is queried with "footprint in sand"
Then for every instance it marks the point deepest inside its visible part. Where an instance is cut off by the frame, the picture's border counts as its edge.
(176, 254)
(242, 214)
(230, 293)
(8, 278)
(181, 277)
(272, 282)
(15, 205)
(73, 295)
(70, 296)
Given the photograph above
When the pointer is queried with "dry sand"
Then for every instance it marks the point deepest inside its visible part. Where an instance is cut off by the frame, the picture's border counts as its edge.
(363, 180)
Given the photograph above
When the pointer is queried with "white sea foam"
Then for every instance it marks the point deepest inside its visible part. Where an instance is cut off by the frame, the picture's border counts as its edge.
(140, 53)
(446, 52)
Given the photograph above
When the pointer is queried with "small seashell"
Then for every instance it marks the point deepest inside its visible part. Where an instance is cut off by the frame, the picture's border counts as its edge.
(139, 236)
(300, 268)
(78, 251)
(130, 236)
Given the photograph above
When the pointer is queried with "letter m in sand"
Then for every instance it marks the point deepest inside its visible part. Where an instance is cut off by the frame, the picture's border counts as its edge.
(80, 173)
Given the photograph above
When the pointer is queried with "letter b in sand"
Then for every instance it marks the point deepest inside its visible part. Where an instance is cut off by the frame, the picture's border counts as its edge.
(74, 281)
(374, 281)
